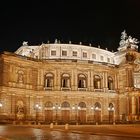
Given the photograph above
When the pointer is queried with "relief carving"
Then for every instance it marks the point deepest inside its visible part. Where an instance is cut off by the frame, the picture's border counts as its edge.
(20, 112)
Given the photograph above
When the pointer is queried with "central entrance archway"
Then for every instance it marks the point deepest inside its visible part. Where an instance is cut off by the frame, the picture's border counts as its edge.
(82, 113)
(65, 112)
(97, 112)
(48, 112)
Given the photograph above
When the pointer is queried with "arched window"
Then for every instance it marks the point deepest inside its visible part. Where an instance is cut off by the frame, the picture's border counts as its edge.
(111, 107)
(82, 105)
(97, 82)
(82, 81)
(65, 105)
(65, 81)
(110, 83)
(48, 104)
(97, 106)
(49, 80)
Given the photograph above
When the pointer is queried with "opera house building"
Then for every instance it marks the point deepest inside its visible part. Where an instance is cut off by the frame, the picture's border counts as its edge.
(69, 83)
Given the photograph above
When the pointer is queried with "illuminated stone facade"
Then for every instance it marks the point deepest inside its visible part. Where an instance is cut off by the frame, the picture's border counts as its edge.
(67, 83)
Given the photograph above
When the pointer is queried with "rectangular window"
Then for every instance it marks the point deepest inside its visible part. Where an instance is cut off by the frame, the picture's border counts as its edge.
(84, 54)
(64, 53)
(94, 56)
(102, 58)
(108, 59)
(53, 53)
(74, 53)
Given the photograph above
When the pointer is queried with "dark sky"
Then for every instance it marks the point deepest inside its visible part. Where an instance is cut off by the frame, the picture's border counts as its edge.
(99, 22)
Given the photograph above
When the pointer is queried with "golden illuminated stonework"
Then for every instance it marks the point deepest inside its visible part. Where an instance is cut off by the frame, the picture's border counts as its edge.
(69, 83)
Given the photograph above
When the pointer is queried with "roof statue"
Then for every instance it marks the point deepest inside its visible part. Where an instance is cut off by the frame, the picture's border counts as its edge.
(132, 40)
(127, 42)
(123, 35)
(25, 43)
(56, 41)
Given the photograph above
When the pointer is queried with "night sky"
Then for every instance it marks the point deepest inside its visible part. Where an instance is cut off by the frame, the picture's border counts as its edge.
(99, 22)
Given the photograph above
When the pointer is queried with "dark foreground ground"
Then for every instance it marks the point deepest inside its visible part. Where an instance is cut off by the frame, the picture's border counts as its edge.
(71, 132)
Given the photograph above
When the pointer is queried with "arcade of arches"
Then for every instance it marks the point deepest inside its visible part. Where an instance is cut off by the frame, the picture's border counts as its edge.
(68, 91)
(75, 113)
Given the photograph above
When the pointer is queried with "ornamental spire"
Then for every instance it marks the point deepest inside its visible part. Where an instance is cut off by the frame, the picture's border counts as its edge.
(127, 42)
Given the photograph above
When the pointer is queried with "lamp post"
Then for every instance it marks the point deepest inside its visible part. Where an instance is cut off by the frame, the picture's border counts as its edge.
(111, 113)
(97, 110)
(76, 108)
(0, 109)
(37, 108)
(92, 108)
(56, 108)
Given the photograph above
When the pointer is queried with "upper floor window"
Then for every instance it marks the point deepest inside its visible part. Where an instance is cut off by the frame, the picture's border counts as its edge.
(49, 80)
(65, 81)
(108, 60)
(101, 58)
(64, 53)
(110, 83)
(84, 54)
(82, 81)
(74, 53)
(97, 82)
(94, 56)
(53, 53)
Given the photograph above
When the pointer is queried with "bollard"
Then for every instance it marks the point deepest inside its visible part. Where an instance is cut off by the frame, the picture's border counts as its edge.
(51, 125)
(21, 123)
(29, 123)
(14, 122)
(66, 126)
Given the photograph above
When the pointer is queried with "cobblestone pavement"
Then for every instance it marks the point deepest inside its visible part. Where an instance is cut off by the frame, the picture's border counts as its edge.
(71, 132)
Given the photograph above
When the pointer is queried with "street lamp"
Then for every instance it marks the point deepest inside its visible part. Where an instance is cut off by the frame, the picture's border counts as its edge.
(111, 112)
(37, 108)
(76, 108)
(56, 108)
(92, 108)
(1, 105)
(0, 109)
(97, 114)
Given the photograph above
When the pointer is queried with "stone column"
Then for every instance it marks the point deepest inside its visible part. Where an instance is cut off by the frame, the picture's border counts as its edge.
(115, 84)
(32, 104)
(57, 80)
(74, 79)
(13, 106)
(133, 105)
(105, 81)
(27, 107)
(38, 75)
(68, 83)
(129, 78)
(91, 81)
(88, 81)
